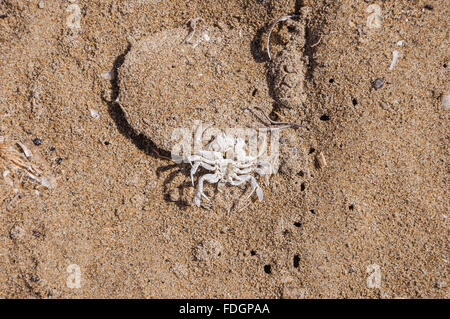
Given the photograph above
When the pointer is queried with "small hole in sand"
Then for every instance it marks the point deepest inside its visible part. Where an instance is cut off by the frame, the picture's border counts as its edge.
(312, 150)
(301, 173)
(274, 116)
(331, 80)
(268, 269)
(252, 252)
(254, 92)
(296, 261)
(355, 101)
(291, 29)
(324, 117)
(302, 187)
(312, 211)
(351, 207)
(297, 224)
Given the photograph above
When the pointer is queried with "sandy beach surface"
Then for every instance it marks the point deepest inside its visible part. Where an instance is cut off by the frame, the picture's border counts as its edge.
(92, 206)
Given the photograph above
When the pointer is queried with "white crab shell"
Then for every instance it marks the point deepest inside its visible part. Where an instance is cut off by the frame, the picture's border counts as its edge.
(234, 171)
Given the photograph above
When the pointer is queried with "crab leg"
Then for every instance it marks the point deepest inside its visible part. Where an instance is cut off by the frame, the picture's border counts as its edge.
(236, 183)
(254, 184)
(196, 166)
(195, 158)
(255, 187)
(261, 172)
(243, 171)
(211, 178)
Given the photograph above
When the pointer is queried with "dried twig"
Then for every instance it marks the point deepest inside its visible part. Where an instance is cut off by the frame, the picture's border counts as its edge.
(313, 45)
(271, 29)
(272, 122)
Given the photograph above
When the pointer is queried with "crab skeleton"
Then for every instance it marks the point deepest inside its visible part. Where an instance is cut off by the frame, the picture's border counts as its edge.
(234, 170)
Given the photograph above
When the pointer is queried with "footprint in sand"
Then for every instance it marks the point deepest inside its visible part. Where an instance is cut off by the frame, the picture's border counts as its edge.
(176, 77)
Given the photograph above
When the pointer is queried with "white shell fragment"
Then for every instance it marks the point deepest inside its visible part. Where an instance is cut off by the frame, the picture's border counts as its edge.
(446, 100)
(95, 114)
(110, 75)
(394, 60)
(30, 163)
(374, 20)
(25, 150)
(7, 178)
(73, 20)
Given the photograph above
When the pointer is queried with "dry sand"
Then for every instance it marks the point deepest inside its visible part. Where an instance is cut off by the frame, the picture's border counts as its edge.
(359, 207)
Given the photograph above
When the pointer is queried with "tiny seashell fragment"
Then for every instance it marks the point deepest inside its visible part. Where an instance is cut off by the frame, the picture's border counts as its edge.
(394, 60)
(108, 75)
(73, 20)
(374, 19)
(446, 100)
(31, 164)
(25, 150)
(7, 179)
(320, 160)
(94, 114)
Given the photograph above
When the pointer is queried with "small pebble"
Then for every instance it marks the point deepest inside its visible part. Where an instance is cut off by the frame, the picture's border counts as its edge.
(59, 160)
(34, 278)
(374, 20)
(36, 234)
(37, 141)
(110, 75)
(52, 149)
(320, 160)
(95, 114)
(446, 100)
(378, 83)
(429, 7)
(16, 232)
